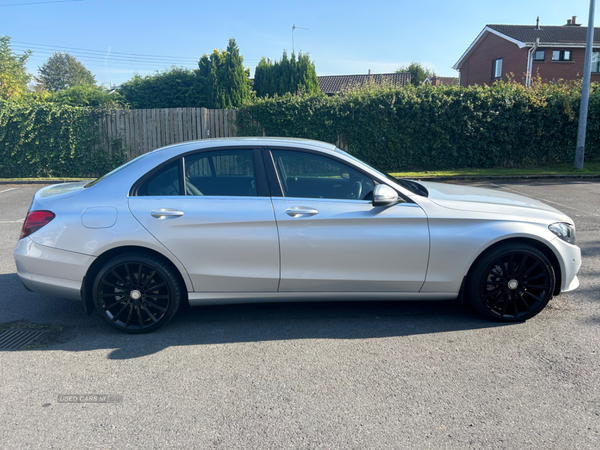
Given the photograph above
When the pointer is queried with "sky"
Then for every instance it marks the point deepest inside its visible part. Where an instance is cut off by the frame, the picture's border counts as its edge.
(115, 39)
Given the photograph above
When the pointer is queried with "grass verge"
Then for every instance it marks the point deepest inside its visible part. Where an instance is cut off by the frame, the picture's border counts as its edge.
(589, 168)
(49, 180)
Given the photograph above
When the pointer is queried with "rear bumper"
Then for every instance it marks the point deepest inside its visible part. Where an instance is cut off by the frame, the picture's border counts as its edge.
(50, 271)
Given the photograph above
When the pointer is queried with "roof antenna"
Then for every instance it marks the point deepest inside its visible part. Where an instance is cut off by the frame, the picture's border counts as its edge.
(537, 23)
(294, 29)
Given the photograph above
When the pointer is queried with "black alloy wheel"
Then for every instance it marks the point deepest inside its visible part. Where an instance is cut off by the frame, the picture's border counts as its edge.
(511, 283)
(137, 293)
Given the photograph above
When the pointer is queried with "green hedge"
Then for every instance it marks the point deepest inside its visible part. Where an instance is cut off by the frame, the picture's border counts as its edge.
(432, 128)
(395, 129)
(40, 139)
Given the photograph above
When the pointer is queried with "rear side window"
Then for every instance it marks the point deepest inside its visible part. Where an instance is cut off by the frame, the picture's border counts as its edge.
(164, 182)
(221, 173)
(212, 173)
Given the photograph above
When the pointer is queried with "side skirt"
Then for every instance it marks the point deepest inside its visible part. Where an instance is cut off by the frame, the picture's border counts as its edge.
(231, 298)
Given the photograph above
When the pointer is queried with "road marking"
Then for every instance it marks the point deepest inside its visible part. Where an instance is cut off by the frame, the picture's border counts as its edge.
(6, 190)
(12, 221)
(546, 201)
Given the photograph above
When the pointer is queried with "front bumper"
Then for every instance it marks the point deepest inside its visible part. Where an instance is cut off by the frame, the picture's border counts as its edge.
(570, 262)
(50, 271)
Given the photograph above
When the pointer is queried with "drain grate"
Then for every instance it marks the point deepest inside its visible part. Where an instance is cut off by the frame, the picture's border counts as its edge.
(17, 339)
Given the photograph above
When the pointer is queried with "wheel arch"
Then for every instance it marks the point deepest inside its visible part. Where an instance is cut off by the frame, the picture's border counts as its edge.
(90, 276)
(541, 246)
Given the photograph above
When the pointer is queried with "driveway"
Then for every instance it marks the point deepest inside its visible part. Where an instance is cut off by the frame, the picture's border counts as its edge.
(381, 375)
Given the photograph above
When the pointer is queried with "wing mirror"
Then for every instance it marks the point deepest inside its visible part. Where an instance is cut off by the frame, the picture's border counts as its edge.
(383, 195)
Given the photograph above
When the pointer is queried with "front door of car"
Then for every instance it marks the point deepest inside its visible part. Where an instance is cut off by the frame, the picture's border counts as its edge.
(332, 239)
(213, 212)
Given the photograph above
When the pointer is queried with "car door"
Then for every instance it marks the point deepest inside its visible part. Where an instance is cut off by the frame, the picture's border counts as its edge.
(212, 210)
(332, 239)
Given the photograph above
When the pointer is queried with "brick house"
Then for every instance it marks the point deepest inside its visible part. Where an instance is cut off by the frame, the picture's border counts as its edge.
(552, 53)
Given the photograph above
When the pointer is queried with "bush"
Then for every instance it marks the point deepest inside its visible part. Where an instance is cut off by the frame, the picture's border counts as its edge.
(437, 127)
(175, 88)
(85, 95)
(41, 139)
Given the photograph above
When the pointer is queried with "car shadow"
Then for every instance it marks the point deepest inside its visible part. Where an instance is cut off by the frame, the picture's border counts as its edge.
(229, 324)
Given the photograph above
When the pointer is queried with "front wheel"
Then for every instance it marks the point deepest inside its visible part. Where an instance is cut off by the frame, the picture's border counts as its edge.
(137, 293)
(511, 282)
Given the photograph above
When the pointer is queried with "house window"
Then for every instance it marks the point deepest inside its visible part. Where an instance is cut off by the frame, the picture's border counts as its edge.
(561, 55)
(540, 55)
(497, 69)
(596, 62)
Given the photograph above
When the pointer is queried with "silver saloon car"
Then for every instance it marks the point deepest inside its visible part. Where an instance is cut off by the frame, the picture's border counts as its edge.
(260, 220)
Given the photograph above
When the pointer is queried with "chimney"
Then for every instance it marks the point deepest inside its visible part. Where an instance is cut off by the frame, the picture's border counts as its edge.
(574, 20)
(568, 22)
(537, 23)
(369, 71)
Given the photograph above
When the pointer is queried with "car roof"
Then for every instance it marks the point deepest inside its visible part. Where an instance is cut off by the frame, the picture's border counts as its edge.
(246, 141)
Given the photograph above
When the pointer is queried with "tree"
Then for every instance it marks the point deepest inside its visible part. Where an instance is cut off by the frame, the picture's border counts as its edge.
(418, 73)
(207, 72)
(235, 80)
(226, 84)
(287, 75)
(62, 71)
(174, 88)
(13, 74)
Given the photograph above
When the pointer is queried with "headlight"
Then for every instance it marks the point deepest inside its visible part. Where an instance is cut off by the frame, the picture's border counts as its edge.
(565, 231)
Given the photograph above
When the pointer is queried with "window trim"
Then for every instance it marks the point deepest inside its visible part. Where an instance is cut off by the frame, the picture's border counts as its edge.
(494, 68)
(597, 62)
(561, 56)
(535, 59)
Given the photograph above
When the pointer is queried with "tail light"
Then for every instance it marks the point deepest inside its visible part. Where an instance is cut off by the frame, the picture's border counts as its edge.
(34, 221)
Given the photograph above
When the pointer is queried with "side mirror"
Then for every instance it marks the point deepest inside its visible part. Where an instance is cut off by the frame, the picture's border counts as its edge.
(383, 195)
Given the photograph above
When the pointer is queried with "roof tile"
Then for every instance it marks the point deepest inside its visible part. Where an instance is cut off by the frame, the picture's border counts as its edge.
(549, 34)
(334, 83)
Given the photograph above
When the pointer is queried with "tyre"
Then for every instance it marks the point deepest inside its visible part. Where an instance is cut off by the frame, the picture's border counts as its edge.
(511, 282)
(137, 293)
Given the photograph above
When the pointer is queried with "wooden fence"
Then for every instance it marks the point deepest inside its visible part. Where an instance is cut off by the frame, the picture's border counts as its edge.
(142, 130)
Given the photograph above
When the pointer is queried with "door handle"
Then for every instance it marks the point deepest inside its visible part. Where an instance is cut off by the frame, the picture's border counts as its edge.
(166, 213)
(298, 211)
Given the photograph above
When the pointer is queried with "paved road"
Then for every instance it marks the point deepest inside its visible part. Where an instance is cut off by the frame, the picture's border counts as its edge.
(340, 375)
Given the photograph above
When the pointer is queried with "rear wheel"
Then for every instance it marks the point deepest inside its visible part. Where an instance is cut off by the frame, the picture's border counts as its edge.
(511, 283)
(137, 293)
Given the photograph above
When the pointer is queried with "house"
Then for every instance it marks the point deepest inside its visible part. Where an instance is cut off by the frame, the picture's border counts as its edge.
(552, 53)
(446, 81)
(333, 84)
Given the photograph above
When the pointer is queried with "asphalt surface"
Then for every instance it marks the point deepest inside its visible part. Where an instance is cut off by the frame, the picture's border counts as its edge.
(302, 376)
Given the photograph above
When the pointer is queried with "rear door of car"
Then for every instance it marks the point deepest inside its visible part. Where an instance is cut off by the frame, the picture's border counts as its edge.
(332, 239)
(212, 210)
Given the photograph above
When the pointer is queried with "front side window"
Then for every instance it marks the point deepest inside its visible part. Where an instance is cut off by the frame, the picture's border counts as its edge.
(596, 62)
(497, 68)
(307, 175)
(561, 55)
(221, 173)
